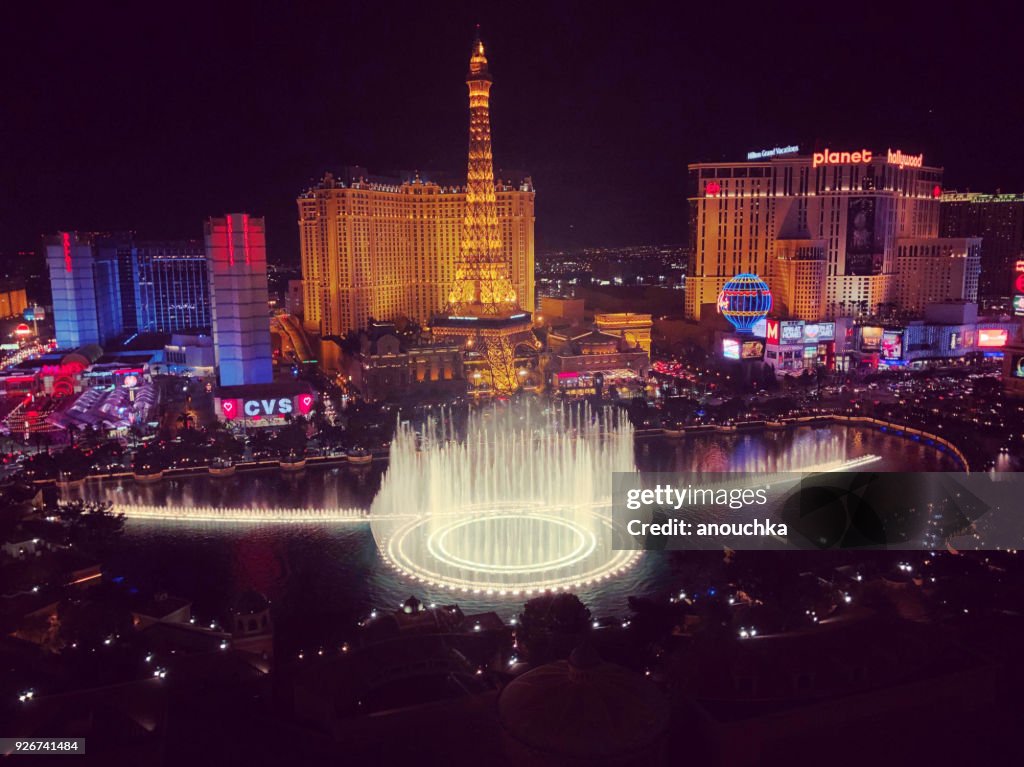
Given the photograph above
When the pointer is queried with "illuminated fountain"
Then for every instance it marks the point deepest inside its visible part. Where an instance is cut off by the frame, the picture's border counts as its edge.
(518, 501)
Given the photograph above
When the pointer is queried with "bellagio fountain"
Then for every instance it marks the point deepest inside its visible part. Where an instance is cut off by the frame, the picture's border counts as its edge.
(515, 500)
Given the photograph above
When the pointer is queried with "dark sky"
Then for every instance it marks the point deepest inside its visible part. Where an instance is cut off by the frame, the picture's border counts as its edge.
(132, 119)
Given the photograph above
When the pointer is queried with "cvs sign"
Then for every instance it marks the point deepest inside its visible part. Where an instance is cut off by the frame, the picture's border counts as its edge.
(270, 407)
(266, 407)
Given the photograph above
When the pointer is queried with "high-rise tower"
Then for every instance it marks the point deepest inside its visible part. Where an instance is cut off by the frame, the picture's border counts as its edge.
(236, 253)
(483, 310)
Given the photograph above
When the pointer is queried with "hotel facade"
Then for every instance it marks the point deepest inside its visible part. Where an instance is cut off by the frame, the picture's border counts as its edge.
(828, 230)
(381, 250)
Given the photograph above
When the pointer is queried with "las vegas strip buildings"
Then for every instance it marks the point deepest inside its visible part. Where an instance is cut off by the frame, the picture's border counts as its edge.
(147, 308)
(849, 242)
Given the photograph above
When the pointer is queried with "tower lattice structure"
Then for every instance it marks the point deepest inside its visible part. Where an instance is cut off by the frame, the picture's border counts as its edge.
(483, 310)
(481, 286)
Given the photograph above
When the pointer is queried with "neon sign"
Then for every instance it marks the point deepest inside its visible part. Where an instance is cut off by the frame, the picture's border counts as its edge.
(712, 189)
(896, 157)
(66, 241)
(760, 154)
(827, 157)
(267, 408)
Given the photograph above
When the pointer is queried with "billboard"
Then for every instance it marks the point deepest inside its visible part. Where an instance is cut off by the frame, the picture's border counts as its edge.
(1018, 305)
(992, 337)
(870, 338)
(892, 345)
(819, 331)
(730, 348)
(752, 350)
(1017, 366)
(791, 331)
(863, 248)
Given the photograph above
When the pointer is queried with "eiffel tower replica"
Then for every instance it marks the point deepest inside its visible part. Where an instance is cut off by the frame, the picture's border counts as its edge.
(483, 312)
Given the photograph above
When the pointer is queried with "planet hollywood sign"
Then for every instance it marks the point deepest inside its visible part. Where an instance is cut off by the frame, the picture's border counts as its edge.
(863, 156)
(272, 407)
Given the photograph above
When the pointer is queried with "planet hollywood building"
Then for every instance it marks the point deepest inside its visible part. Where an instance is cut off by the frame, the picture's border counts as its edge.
(828, 230)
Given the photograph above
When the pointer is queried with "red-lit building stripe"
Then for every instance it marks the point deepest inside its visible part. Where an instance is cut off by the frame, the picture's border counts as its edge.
(245, 235)
(231, 241)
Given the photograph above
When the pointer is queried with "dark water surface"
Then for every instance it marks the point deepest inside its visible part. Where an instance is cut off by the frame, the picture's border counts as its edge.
(318, 574)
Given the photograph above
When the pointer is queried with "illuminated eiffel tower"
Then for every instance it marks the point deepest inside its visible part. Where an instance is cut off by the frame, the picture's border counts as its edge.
(483, 312)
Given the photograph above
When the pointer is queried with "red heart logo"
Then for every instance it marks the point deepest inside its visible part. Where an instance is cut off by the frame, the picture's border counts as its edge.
(228, 408)
(305, 403)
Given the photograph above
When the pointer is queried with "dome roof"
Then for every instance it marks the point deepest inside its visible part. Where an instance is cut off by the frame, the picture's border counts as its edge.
(583, 708)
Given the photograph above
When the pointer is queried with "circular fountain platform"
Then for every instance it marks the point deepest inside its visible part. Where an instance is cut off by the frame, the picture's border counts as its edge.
(508, 550)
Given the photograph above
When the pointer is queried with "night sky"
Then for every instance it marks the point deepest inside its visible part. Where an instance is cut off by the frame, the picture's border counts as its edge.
(131, 119)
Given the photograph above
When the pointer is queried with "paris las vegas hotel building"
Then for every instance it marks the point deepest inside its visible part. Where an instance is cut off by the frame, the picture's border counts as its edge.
(380, 248)
(835, 233)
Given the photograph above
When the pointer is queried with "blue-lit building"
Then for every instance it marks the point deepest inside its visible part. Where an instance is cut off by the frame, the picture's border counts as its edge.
(86, 295)
(106, 286)
(164, 286)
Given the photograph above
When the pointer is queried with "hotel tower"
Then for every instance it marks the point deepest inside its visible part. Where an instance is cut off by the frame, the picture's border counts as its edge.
(834, 233)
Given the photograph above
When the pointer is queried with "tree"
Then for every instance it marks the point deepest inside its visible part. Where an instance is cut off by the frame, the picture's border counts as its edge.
(551, 626)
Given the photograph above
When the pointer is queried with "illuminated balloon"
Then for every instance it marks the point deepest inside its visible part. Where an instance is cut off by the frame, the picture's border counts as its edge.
(744, 300)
